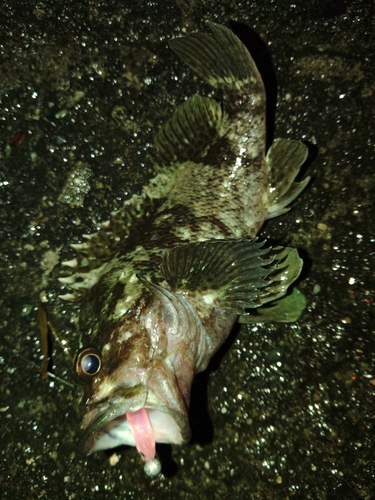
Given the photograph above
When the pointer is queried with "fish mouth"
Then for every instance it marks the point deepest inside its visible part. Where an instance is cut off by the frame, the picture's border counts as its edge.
(136, 418)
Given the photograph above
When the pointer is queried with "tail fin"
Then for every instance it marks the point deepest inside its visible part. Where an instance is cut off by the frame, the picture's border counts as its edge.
(220, 59)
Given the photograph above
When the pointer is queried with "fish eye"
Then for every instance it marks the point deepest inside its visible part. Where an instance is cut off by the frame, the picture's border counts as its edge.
(88, 362)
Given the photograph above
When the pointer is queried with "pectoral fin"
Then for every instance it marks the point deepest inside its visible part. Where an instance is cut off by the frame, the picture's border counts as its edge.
(234, 275)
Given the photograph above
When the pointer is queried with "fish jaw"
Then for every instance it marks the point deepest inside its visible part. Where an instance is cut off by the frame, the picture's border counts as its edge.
(109, 424)
(162, 428)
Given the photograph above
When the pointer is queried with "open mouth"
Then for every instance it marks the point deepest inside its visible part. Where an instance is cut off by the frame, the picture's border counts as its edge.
(134, 428)
(141, 428)
(138, 416)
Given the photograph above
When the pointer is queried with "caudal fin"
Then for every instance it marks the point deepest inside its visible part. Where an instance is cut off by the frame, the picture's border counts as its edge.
(220, 59)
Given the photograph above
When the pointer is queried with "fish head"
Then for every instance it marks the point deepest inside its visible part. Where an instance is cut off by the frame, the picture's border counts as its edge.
(138, 366)
(145, 338)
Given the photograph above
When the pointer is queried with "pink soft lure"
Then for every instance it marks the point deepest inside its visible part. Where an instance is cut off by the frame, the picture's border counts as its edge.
(143, 434)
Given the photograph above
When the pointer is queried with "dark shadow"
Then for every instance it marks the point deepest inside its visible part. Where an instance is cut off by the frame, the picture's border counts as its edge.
(321, 9)
(307, 265)
(200, 423)
(304, 171)
(168, 466)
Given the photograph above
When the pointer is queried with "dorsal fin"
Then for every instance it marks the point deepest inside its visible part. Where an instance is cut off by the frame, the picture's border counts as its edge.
(101, 247)
(193, 127)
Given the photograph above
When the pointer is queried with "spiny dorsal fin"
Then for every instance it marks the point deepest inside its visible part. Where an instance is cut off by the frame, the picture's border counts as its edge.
(234, 275)
(220, 59)
(101, 247)
(284, 160)
(192, 128)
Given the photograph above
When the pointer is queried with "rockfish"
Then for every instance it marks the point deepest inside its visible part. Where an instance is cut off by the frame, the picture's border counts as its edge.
(163, 282)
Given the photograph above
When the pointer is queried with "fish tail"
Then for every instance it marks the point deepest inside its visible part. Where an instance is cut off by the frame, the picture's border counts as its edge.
(221, 60)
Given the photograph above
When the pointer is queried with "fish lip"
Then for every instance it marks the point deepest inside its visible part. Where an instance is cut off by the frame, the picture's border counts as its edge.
(101, 414)
(98, 420)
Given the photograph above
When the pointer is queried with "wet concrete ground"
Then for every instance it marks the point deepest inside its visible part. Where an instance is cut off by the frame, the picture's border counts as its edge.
(284, 411)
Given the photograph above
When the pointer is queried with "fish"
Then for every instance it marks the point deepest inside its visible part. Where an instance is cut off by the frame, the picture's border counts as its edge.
(162, 283)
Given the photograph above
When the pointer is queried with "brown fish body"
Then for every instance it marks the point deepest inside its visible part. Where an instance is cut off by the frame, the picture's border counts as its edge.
(168, 276)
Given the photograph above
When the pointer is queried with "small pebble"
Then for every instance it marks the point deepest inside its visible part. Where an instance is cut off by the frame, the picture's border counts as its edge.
(114, 459)
(275, 354)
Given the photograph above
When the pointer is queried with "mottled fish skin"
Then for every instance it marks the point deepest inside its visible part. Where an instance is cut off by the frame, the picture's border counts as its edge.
(149, 303)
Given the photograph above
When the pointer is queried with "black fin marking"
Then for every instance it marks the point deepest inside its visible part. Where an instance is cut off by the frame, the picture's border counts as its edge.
(284, 159)
(220, 59)
(284, 310)
(233, 275)
(193, 127)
